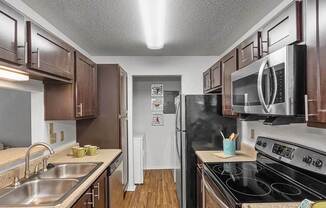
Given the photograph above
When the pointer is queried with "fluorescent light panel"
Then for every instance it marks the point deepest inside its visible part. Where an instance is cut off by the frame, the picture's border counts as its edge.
(10, 74)
(153, 18)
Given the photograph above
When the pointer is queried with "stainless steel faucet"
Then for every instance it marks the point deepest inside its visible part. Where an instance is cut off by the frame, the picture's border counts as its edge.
(27, 156)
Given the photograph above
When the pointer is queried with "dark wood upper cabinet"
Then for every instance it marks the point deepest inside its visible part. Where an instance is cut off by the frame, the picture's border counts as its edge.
(229, 65)
(216, 75)
(283, 30)
(207, 80)
(86, 87)
(48, 54)
(12, 32)
(77, 100)
(316, 63)
(250, 50)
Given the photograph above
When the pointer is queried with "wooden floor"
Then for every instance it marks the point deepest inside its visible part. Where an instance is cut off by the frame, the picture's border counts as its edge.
(158, 191)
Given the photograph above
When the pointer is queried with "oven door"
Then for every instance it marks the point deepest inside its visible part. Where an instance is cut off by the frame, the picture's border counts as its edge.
(213, 195)
(260, 87)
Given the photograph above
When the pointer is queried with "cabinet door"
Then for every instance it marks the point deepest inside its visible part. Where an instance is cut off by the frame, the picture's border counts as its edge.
(207, 80)
(100, 191)
(86, 87)
(216, 72)
(316, 63)
(12, 41)
(229, 65)
(249, 50)
(48, 54)
(285, 29)
(85, 201)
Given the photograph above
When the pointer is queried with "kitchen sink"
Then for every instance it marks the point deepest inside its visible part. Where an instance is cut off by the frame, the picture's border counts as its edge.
(48, 188)
(38, 192)
(69, 170)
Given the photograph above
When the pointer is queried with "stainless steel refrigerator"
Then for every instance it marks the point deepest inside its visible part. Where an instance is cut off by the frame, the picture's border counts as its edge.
(198, 122)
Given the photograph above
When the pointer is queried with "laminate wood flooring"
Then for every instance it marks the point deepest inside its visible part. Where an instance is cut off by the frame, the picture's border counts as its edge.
(158, 191)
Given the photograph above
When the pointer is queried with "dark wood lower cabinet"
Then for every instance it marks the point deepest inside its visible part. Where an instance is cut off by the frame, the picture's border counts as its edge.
(96, 196)
(199, 187)
(85, 201)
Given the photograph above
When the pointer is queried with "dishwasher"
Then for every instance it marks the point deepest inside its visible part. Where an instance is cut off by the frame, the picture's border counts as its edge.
(115, 175)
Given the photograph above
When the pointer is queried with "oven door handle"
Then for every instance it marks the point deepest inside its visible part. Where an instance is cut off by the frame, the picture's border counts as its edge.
(260, 87)
(211, 191)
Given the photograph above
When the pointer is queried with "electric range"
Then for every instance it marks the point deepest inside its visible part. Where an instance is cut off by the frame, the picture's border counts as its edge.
(283, 172)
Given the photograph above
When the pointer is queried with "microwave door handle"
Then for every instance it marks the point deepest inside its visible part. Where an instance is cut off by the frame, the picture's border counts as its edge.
(275, 88)
(260, 83)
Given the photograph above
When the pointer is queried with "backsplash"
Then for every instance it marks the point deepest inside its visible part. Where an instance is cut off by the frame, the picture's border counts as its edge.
(297, 133)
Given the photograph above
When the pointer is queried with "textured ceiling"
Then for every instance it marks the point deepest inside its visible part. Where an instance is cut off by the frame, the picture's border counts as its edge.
(193, 27)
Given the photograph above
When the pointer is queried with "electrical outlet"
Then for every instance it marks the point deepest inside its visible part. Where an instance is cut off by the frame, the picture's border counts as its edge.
(62, 136)
(252, 133)
(53, 138)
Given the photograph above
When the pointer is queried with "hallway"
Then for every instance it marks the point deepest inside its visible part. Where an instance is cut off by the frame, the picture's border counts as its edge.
(158, 191)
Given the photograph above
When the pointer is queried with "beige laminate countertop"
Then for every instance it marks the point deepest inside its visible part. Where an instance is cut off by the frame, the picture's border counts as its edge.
(208, 156)
(104, 155)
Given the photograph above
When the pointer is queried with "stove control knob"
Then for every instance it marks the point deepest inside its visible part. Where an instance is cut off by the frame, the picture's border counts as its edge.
(264, 144)
(259, 142)
(307, 159)
(318, 163)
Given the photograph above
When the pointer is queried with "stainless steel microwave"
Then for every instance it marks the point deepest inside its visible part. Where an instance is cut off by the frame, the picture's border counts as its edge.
(273, 85)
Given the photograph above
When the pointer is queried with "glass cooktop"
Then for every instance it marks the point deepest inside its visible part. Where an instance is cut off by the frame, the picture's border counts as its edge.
(250, 182)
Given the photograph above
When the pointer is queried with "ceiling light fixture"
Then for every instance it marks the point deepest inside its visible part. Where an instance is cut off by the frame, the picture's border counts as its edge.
(8, 73)
(153, 19)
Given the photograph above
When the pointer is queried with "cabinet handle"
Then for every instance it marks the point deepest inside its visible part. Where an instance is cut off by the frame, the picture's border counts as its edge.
(93, 198)
(98, 191)
(80, 112)
(38, 58)
(306, 106)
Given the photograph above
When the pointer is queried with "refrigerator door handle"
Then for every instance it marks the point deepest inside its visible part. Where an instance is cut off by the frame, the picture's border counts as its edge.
(177, 129)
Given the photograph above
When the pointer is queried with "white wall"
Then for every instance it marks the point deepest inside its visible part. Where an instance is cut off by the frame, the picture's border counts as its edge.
(297, 133)
(159, 145)
(188, 67)
(39, 127)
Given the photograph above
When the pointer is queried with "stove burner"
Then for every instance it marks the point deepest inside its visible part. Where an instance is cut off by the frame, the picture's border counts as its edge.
(248, 186)
(286, 189)
(227, 169)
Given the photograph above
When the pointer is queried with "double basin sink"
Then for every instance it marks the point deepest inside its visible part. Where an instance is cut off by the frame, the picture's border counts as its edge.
(48, 188)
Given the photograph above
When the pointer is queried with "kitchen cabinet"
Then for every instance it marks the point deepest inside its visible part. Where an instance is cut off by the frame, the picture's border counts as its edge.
(47, 54)
(86, 87)
(109, 128)
(101, 191)
(207, 80)
(212, 80)
(80, 97)
(316, 63)
(12, 36)
(96, 195)
(229, 65)
(85, 201)
(283, 30)
(216, 78)
(250, 50)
